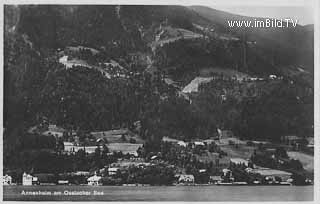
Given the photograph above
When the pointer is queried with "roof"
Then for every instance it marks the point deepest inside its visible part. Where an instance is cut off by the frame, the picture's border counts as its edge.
(63, 181)
(100, 140)
(186, 176)
(7, 177)
(94, 178)
(182, 143)
(27, 175)
(113, 169)
(239, 161)
(225, 170)
(154, 157)
(248, 170)
(168, 139)
(199, 143)
(68, 143)
(258, 142)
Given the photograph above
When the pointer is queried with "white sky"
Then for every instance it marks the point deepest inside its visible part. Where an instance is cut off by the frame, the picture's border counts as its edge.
(301, 10)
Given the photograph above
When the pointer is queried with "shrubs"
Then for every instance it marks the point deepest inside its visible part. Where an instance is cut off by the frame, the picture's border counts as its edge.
(231, 142)
(250, 143)
(132, 140)
(153, 175)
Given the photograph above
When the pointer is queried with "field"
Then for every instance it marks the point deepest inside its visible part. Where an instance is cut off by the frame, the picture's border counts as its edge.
(306, 160)
(225, 141)
(226, 72)
(115, 136)
(242, 151)
(211, 157)
(194, 84)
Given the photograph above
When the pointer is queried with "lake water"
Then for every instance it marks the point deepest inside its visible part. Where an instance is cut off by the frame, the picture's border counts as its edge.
(160, 193)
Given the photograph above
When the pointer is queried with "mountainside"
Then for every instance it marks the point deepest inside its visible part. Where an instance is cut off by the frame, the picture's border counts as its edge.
(292, 45)
(91, 68)
(120, 30)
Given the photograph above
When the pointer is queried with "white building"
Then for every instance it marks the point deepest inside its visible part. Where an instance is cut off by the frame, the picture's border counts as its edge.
(186, 178)
(182, 143)
(202, 170)
(226, 171)
(272, 76)
(94, 180)
(215, 179)
(63, 182)
(239, 161)
(70, 147)
(199, 144)
(7, 180)
(112, 171)
(28, 180)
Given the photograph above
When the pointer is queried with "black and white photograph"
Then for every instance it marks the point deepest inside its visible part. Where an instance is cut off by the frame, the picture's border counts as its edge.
(177, 101)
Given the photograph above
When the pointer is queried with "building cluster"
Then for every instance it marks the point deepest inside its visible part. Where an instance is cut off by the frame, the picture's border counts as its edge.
(166, 34)
(227, 177)
(120, 140)
(185, 153)
(7, 180)
(240, 168)
(88, 57)
(29, 180)
(117, 140)
(298, 142)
